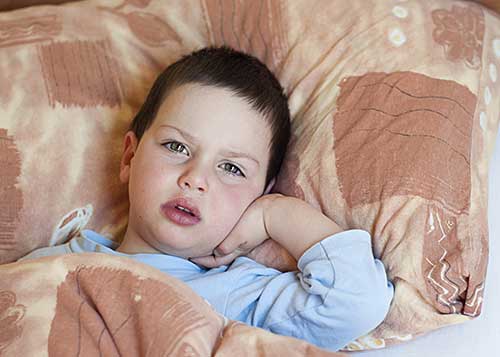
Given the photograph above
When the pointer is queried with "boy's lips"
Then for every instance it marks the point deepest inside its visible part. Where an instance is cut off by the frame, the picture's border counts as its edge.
(183, 202)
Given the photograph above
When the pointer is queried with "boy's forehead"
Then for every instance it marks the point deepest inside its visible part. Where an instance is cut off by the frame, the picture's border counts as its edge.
(193, 108)
(201, 114)
(183, 98)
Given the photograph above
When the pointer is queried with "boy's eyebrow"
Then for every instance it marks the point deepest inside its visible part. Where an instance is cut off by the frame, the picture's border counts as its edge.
(182, 132)
(229, 153)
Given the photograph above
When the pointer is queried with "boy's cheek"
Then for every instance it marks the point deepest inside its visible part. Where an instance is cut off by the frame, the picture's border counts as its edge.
(241, 201)
(226, 210)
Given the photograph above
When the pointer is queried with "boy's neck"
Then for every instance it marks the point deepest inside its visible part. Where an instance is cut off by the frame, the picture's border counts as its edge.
(129, 245)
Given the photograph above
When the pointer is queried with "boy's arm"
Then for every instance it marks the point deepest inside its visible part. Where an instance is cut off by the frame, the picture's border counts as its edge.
(291, 222)
(295, 224)
(340, 292)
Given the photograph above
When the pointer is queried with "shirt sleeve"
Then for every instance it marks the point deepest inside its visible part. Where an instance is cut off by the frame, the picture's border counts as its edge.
(341, 292)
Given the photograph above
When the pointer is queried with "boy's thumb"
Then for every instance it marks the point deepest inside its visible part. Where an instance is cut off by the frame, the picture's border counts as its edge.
(229, 246)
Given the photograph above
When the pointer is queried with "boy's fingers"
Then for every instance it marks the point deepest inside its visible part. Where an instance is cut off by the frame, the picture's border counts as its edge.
(225, 260)
(207, 261)
(211, 261)
(229, 245)
(225, 248)
(235, 253)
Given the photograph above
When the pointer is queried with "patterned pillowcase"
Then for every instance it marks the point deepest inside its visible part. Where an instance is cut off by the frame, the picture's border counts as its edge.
(394, 105)
(394, 125)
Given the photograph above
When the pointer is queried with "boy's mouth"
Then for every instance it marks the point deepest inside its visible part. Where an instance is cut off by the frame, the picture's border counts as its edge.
(184, 205)
(185, 210)
(178, 216)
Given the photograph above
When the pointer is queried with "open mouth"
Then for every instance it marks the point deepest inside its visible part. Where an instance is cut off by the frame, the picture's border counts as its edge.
(180, 208)
(180, 215)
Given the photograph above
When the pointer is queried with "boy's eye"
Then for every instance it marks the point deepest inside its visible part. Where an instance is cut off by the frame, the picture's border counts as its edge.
(229, 168)
(174, 146)
(234, 172)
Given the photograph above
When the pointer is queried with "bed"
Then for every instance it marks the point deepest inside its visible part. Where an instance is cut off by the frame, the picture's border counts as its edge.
(395, 112)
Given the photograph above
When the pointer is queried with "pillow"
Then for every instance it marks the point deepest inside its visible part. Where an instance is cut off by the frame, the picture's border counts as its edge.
(394, 126)
(394, 108)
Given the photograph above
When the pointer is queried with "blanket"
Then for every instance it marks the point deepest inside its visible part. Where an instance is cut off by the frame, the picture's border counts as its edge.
(94, 304)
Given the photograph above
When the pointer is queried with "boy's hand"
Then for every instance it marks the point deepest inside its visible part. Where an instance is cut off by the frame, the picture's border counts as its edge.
(248, 233)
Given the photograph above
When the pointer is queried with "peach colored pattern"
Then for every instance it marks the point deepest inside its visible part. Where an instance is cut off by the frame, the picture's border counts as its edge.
(440, 265)
(11, 197)
(151, 29)
(29, 30)
(99, 309)
(257, 27)
(426, 121)
(80, 73)
(287, 182)
(460, 31)
(94, 304)
(136, 3)
(147, 27)
(11, 315)
(453, 290)
(61, 135)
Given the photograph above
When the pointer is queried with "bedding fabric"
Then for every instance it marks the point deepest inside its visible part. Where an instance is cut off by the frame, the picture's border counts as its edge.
(394, 105)
(477, 337)
(94, 304)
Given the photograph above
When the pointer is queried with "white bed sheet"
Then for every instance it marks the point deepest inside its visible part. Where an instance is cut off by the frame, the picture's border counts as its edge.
(481, 336)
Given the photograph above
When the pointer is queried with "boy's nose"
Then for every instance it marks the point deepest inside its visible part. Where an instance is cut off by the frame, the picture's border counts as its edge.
(188, 184)
(193, 180)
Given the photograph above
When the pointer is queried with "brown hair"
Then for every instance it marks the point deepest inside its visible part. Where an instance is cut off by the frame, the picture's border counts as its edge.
(239, 72)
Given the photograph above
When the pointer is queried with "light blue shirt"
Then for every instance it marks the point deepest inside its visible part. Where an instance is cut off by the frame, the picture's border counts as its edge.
(340, 292)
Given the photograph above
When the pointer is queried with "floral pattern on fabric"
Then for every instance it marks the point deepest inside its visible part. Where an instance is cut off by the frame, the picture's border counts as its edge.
(11, 315)
(460, 31)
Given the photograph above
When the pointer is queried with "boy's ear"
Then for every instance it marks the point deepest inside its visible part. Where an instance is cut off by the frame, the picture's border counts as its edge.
(129, 148)
(270, 186)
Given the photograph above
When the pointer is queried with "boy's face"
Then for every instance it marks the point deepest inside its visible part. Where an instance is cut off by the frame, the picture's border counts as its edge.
(166, 165)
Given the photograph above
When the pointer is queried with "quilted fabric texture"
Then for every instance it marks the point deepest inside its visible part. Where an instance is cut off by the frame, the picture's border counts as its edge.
(394, 105)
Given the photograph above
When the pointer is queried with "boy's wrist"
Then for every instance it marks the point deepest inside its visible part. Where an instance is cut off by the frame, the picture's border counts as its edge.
(295, 224)
(269, 202)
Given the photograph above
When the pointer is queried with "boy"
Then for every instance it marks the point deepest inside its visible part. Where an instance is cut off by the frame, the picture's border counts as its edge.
(200, 160)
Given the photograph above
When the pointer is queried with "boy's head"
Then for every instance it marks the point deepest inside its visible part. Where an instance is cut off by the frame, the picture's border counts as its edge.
(202, 107)
(242, 74)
